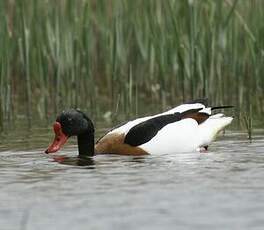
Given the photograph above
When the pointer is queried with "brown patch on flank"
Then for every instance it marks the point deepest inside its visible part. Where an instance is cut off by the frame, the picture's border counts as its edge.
(199, 117)
(114, 144)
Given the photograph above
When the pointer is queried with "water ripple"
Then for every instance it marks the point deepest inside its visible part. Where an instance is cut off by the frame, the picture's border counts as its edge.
(220, 189)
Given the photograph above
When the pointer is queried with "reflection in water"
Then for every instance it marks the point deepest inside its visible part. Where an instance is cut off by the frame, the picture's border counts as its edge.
(75, 161)
(103, 159)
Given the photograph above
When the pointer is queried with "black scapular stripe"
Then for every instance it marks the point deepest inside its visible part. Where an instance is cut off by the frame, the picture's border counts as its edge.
(146, 130)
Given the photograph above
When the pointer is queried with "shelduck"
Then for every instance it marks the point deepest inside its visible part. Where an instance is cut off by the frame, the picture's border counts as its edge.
(188, 127)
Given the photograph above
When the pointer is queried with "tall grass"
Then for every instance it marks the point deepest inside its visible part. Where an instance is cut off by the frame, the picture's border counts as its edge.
(121, 55)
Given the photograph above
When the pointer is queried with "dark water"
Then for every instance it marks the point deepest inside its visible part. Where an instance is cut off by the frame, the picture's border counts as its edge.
(220, 189)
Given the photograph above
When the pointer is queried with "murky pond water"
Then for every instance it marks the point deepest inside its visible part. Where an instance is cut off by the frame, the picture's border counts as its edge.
(220, 189)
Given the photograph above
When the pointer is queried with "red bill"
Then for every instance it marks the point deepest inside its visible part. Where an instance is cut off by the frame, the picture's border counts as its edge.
(59, 140)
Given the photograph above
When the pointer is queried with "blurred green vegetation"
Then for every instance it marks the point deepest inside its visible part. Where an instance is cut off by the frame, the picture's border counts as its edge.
(129, 57)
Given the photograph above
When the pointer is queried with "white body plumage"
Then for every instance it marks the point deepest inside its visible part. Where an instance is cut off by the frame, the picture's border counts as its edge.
(185, 135)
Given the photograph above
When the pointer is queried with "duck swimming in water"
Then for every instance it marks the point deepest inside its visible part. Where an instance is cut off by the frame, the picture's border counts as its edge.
(188, 127)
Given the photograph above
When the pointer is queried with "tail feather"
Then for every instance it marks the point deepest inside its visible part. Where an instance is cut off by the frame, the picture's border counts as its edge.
(211, 127)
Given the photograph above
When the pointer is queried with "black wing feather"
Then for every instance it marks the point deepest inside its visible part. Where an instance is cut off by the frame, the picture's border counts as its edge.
(145, 131)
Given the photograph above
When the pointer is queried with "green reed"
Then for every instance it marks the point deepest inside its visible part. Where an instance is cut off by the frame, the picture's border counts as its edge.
(129, 57)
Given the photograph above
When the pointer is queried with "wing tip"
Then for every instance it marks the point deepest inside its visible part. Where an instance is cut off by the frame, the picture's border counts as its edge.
(222, 107)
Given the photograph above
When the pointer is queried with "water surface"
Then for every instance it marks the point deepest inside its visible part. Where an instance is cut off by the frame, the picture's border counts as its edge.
(220, 189)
